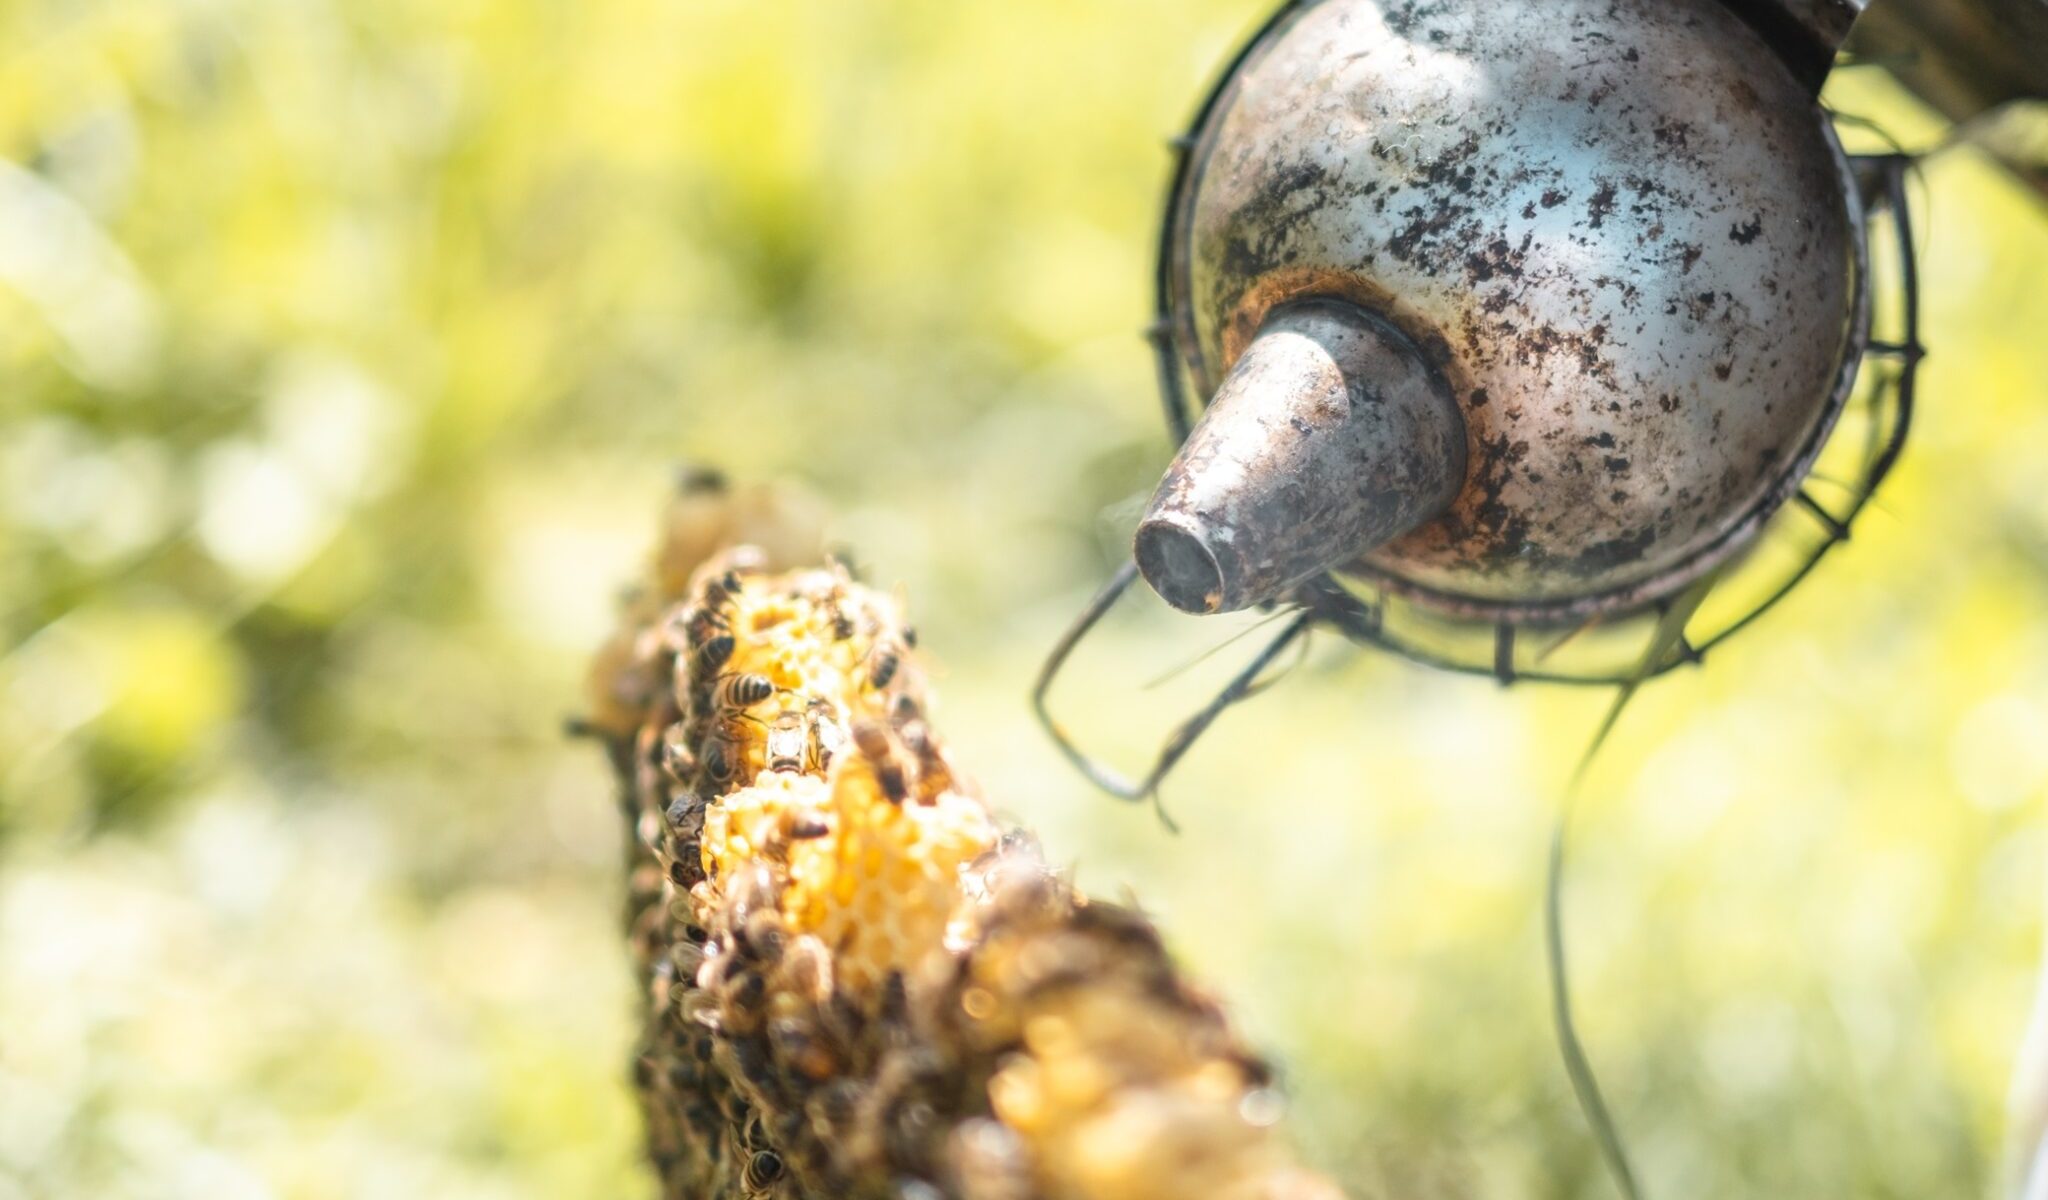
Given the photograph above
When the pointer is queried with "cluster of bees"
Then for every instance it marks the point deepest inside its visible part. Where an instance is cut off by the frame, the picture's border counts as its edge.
(723, 721)
(858, 984)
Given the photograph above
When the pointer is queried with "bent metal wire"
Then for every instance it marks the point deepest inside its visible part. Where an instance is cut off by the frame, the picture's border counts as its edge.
(1864, 445)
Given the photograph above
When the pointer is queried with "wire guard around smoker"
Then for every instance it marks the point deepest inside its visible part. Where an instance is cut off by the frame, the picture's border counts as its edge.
(1869, 435)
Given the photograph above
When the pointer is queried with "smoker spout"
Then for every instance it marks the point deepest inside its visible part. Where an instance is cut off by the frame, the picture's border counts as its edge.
(1331, 436)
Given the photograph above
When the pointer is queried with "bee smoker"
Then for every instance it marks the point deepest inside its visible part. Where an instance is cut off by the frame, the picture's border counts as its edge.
(1514, 321)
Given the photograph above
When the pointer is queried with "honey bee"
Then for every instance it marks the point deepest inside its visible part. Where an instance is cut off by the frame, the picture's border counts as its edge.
(790, 745)
(934, 775)
(895, 998)
(839, 1103)
(874, 744)
(798, 1045)
(703, 625)
(720, 592)
(721, 755)
(741, 1006)
(883, 663)
(699, 1008)
(806, 969)
(762, 1172)
(686, 627)
(762, 938)
(747, 1058)
(828, 736)
(715, 653)
(750, 891)
(686, 960)
(793, 827)
(685, 813)
(696, 480)
(676, 758)
(835, 613)
(740, 691)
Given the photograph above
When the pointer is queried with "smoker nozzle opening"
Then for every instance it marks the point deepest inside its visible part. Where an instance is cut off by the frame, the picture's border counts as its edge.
(1180, 567)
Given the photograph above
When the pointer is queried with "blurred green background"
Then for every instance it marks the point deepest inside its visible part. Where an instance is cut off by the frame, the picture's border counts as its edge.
(345, 351)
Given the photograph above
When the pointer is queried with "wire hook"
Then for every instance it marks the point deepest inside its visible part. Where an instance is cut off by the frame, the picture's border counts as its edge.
(1184, 736)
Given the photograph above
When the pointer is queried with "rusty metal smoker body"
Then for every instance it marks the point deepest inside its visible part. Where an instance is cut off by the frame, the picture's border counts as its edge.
(1512, 316)
(1620, 235)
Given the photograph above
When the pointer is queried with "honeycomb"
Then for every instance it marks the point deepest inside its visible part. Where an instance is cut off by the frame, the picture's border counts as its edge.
(857, 982)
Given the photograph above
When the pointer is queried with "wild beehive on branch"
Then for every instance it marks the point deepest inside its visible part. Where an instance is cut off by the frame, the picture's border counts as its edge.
(858, 983)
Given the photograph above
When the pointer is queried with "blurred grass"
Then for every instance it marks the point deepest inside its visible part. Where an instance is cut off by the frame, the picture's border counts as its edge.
(345, 351)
